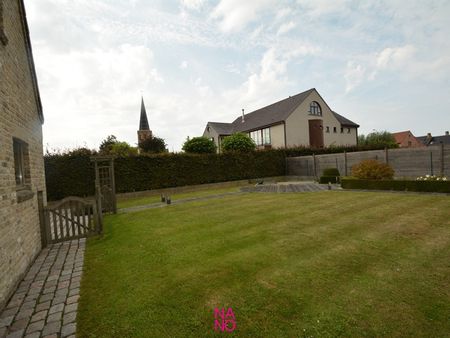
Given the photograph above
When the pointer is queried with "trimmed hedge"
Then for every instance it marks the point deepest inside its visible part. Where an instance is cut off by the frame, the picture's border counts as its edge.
(72, 174)
(68, 175)
(397, 185)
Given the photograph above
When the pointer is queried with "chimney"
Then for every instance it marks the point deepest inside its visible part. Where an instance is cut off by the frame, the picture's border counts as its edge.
(428, 135)
(446, 133)
(243, 116)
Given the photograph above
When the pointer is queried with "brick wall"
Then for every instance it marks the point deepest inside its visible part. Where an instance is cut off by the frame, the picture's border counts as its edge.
(19, 117)
(407, 162)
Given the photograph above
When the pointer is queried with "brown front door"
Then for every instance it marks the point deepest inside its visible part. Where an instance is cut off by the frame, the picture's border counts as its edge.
(316, 133)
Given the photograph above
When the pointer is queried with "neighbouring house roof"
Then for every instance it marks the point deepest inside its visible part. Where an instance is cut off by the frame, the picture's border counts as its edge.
(222, 128)
(143, 121)
(272, 114)
(403, 138)
(431, 140)
(344, 121)
(26, 32)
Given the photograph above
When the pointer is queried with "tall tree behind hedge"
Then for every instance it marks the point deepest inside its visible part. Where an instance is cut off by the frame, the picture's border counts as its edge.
(153, 145)
(107, 144)
(378, 139)
(238, 142)
(199, 145)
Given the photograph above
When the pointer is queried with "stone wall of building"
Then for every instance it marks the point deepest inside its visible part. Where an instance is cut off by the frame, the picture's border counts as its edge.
(407, 162)
(20, 239)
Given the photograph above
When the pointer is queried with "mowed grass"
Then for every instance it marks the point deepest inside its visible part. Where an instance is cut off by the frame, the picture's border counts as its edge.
(136, 201)
(319, 264)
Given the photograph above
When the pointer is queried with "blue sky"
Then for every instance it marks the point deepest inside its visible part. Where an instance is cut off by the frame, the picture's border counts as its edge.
(383, 64)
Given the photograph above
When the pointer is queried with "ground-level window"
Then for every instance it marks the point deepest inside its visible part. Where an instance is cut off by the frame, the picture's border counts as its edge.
(21, 163)
(342, 130)
(348, 130)
(334, 130)
(261, 137)
(328, 129)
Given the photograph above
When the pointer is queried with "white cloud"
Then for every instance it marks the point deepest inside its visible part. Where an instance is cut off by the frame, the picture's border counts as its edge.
(394, 57)
(354, 75)
(193, 4)
(286, 27)
(183, 64)
(94, 92)
(235, 15)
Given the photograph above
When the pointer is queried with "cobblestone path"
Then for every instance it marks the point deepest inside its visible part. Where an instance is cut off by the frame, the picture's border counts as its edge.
(46, 301)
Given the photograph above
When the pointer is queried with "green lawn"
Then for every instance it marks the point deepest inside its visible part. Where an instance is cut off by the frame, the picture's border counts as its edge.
(312, 264)
(136, 201)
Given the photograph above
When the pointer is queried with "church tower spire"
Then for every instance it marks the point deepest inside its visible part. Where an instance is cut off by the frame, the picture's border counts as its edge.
(144, 131)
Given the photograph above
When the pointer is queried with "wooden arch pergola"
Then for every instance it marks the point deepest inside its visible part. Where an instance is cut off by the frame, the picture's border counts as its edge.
(105, 185)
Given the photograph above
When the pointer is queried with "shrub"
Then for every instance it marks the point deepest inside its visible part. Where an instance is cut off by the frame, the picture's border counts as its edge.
(397, 185)
(331, 172)
(238, 142)
(153, 145)
(372, 170)
(199, 145)
(378, 138)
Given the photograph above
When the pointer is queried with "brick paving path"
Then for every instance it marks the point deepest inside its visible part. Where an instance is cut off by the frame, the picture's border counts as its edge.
(46, 301)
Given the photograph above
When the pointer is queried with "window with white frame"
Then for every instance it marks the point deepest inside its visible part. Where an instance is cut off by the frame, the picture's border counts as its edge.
(314, 109)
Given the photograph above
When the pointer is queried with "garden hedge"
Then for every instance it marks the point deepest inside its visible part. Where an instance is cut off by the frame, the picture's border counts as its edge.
(68, 175)
(72, 174)
(397, 185)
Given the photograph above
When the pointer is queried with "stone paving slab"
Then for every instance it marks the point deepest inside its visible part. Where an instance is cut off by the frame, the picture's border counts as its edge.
(46, 300)
(286, 187)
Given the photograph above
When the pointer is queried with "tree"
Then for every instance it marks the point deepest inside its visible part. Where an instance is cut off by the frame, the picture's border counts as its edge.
(199, 145)
(122, 149)
(106, 145)
(153, 145)
(238, 142)
(378, 138)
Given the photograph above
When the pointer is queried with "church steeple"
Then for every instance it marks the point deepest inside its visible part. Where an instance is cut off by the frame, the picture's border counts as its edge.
(143, 122)
(144, 131)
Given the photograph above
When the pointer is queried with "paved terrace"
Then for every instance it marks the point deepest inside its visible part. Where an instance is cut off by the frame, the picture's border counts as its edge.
(46, 301)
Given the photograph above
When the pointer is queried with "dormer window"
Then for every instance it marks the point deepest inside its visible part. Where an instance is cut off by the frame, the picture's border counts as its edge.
(314, 109)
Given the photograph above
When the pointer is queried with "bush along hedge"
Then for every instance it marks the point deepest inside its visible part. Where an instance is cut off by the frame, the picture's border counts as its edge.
(397, 185)
(330, 175)
(68, 175)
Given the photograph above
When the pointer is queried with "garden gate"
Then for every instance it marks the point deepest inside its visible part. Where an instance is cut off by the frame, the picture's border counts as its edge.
(70, 218)
(105, 186)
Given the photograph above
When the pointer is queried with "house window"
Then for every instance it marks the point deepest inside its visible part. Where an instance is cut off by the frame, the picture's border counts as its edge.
(21, 163)
(314, 109)
(334, 130)
(342, 130)
(348, 130)
(3, 38)
(328, 129)
(261, 137)
(266, 136)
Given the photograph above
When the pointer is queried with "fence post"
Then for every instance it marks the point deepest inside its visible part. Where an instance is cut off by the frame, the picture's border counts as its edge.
(431, 163)
(98, 204)
(43, 226)
(442, 159)
(314, 166)
(345, 162)
(386, 156)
